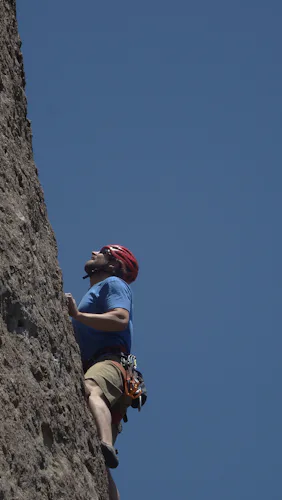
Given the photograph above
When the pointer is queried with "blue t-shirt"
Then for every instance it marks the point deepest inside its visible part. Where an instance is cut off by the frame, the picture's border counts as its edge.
(109, 294)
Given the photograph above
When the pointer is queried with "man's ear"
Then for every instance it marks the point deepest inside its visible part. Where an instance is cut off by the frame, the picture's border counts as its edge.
(117, 268)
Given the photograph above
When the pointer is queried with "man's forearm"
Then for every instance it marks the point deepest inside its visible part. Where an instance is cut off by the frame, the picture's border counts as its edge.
(107, 322)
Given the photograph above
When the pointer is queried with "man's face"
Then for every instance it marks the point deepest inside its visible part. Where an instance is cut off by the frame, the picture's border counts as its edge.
(97, 262)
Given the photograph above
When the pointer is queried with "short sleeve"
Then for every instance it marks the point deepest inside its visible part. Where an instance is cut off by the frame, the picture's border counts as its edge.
(115, 293)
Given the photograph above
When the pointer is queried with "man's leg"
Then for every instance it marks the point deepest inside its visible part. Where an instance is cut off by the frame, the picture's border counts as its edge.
(100, 411)
(103, 418)
(104, 385)
(113, 491)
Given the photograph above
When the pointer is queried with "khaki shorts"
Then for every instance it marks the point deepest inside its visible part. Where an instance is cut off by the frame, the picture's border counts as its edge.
(110, 381)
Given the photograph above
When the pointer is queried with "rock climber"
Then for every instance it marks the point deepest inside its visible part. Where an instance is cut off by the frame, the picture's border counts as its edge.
(103, 329)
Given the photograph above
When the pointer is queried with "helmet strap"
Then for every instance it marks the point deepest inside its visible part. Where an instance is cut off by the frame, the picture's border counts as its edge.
(107, 268)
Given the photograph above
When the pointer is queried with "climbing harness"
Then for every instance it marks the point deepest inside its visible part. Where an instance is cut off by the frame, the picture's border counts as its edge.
(134, 385)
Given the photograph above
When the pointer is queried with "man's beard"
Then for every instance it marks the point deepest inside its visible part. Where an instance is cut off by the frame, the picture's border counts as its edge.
(93, 267)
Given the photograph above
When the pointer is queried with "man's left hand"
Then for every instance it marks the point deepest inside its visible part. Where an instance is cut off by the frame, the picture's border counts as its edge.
(73, 311)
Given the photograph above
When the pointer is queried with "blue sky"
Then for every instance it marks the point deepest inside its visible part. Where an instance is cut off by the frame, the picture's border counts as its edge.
(158, 126)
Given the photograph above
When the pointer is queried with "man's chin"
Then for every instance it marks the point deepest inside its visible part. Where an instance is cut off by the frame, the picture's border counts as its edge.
(90, 266)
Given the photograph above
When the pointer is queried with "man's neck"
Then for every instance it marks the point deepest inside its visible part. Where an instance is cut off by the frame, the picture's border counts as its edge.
(97, 277)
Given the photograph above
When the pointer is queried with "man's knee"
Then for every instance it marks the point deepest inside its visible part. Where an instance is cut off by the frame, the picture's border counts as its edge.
(94, 392)
(92, 389)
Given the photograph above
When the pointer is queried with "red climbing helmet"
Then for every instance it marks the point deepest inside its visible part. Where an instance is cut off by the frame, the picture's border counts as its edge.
(128, 262)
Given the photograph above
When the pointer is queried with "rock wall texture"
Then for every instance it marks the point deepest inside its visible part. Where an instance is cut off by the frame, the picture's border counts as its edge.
(48, 441)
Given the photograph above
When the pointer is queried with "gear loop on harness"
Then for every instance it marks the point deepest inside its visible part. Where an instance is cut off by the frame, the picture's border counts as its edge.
(132, 382)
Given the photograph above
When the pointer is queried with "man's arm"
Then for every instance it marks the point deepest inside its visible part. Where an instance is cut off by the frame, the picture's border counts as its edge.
(115, 320)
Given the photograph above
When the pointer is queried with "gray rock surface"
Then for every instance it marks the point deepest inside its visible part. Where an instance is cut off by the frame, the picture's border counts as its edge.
(48, 441)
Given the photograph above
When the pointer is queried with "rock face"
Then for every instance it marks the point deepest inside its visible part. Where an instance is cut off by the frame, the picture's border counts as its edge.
(48, 442)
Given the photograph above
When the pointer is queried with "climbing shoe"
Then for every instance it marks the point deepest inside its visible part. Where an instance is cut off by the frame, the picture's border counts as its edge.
(110, 455)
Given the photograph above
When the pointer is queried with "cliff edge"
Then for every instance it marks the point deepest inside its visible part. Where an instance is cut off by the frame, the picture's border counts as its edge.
(48, 442)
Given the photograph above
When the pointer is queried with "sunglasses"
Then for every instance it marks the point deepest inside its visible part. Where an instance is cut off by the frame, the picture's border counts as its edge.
(107, 252)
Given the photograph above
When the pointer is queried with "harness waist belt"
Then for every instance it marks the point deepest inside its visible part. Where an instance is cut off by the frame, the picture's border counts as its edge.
(116, 349)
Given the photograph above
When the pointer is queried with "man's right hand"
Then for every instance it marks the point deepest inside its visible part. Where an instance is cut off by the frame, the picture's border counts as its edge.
(72, 307)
